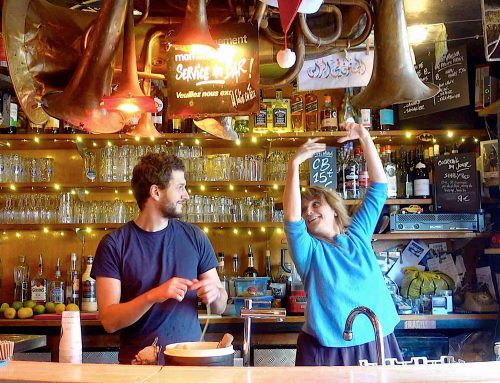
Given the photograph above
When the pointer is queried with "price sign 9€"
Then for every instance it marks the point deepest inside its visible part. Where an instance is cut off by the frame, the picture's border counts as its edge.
(323, 168)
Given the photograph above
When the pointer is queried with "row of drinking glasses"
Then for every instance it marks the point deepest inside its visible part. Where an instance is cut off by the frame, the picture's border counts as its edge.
(29, 208)
(16, 168)
(116, 163)
(201, 208)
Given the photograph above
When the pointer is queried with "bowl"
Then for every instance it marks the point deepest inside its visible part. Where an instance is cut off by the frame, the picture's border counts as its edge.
(198, 354)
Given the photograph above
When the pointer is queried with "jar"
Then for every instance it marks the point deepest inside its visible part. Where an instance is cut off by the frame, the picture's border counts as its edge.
(241, 124)
(497, 351)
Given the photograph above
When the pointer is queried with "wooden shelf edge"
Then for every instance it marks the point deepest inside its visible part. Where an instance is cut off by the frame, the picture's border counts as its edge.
(493, 108)
(492, 251)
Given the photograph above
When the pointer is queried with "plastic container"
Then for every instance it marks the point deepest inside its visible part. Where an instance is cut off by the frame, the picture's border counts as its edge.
(257, 302)
(251, 287)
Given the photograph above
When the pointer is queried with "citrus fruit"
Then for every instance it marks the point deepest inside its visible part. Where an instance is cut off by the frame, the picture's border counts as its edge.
(16, 305)
(50, 307)
(3, 307)
(72, 307)
(29, 304)
(9, 313)
(38, 309)
(25, 312)
(60, 307)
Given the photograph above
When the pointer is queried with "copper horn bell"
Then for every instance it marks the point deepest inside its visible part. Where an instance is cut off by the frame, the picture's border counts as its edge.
(79, 102)
(393, 80)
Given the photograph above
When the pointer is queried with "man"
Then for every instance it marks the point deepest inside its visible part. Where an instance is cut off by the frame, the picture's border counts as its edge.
(150, 271)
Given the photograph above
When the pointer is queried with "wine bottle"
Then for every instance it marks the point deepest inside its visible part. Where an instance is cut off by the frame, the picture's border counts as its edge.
(421, 186)
(250, 271)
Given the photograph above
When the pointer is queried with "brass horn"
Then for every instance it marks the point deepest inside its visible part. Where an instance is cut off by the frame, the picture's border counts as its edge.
(393, 79)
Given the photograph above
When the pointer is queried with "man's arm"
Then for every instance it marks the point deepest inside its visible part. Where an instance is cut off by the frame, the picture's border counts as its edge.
(209, 289)
(115, 315)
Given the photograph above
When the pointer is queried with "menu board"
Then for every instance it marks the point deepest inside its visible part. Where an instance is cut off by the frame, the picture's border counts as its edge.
(216, 82)
(323, 168)
(456, 184)
(450, 74)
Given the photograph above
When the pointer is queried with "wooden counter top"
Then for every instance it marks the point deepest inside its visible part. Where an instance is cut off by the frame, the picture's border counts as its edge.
(91, 373)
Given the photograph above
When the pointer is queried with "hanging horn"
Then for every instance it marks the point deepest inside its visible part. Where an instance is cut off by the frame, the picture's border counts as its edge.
(79, 103)
(393, 79)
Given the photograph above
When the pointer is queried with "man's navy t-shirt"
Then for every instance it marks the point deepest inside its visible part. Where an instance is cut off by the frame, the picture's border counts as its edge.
(143, 260)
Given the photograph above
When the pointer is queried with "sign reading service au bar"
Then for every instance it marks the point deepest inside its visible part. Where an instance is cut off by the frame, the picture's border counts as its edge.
(216, 82)
(323, 168)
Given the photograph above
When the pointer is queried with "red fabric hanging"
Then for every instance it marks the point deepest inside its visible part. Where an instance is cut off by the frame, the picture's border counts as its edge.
(288, 11)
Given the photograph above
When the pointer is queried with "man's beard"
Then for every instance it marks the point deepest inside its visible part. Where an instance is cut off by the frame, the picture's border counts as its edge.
(170, 212)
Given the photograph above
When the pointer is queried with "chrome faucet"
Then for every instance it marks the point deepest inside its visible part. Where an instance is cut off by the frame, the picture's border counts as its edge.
(248, 313)
(379, 339)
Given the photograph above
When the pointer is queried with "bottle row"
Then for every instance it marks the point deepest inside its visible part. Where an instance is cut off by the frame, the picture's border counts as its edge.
(77, 288)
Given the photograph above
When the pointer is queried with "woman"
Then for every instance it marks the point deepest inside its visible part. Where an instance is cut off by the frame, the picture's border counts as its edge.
(336, 262)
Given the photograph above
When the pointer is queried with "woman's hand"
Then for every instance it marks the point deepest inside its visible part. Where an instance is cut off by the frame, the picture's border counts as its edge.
(307, 150)
(354, 131)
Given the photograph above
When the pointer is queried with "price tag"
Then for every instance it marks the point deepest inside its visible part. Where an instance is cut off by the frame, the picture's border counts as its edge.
(323, 168)
(420, 325)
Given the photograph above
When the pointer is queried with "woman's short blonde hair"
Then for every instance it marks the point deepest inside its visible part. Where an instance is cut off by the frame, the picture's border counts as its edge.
(333, 200)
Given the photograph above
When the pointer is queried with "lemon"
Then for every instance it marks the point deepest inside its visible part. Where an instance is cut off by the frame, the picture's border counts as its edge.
(60, 307)
(17, 305)
(38, 309)
(72, 307)
(29, 304)
(25, 312)
(10, 313)
(3, 307)
(50, 307)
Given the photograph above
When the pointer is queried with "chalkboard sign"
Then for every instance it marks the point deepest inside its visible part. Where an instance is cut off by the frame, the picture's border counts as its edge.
(216, 82)
(456, 187)
(450, 74)
(323, 168)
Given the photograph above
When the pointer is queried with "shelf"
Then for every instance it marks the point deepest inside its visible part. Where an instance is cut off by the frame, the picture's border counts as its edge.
(492, 251)
(194, 186)
(106, 226)
(493, 108)
(396, 201)
(68, 141)
(431, 235)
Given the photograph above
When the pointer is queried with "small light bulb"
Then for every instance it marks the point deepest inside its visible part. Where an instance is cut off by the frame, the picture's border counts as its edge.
(37, 140)
(249, 232)
(137, 138)
(279, 231)
(45, 230)
(449, 133)
(235, 231)
(231, 187)
(202, 187)
(263, 229)
(79, 139)
(238, 142)
(205, 229)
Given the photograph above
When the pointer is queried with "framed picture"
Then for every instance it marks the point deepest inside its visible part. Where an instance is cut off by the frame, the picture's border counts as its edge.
(490, 13)
(489, 162)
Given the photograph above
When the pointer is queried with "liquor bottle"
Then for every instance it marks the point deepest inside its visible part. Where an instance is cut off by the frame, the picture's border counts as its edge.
(347, 109)
(297, 107)
(366, 118)
(56, 286)
(21, 280)
(364, 177)
(390, 172)
(311, 101)
(160, 102)
(73, 284)
(268, 265)
(51, 126)
(250, 271)
(386, 119)
(176, 125)
(400, 161)
(232, 288)
(260, 119)
(89, 298)
(421, 186)
(351, 174)
(281, 114)
(328, 116)
(39, 285)
(410, 165)
(221, 272)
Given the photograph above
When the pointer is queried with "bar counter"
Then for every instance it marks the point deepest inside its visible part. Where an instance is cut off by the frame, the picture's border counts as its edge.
(52, 372)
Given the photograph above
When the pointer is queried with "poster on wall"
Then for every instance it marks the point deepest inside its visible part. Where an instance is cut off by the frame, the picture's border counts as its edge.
(216, 82)
(490, 12)
(338, 70)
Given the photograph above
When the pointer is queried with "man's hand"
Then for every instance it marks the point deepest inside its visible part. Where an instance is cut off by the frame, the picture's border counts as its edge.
(174, 288)
(206, 289)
